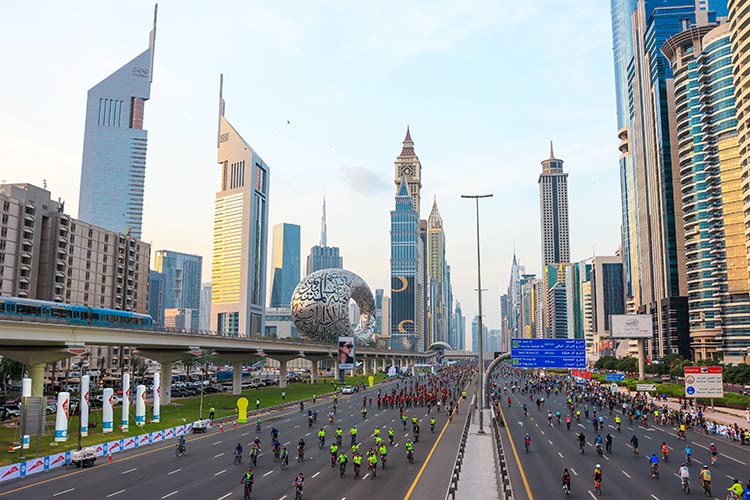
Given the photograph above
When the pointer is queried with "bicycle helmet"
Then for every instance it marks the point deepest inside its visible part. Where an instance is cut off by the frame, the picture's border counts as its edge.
(705, 466)
(598, 466)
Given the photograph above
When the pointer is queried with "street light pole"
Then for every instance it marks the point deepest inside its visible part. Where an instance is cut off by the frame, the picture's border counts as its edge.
(480, 332)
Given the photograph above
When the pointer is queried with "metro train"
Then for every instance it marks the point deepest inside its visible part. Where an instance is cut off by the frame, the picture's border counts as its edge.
(73, 314)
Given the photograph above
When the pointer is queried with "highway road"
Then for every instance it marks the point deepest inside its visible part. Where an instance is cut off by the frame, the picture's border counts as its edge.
(207, 470)
(625, 477)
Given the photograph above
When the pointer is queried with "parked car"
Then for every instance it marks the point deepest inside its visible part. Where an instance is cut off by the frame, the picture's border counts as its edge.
(10, 410)
(210, 390)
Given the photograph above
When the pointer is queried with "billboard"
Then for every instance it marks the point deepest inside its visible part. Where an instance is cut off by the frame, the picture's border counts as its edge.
(631, 326)
(548, 353)
(346, 353)
(704, 382)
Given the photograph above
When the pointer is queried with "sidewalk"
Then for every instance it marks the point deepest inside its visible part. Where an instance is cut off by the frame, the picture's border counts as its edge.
(479, 469)
(720, 414)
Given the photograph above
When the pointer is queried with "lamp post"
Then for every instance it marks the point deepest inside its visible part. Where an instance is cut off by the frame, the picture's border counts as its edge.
(480, 332)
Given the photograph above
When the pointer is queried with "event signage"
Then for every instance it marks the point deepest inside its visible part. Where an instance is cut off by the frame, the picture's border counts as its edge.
(548, 353)
(631, 326)
(645, 387)
(703, 382)
(346, 353)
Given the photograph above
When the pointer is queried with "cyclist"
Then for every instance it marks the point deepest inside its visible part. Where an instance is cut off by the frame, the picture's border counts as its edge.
(257, 424)
(409, 451)
(238, 451)
(567, 421)
(736, 490)
(309, 419)
(299, 484)
(549, 418)
(390, 435)
(403, 421)
(274, 434)
(276, 447)
(322, 437)
(301, 450)
(357, 460)
(181, 444)
(248, 480)
(355, 448)
(256, 443)
(608, 443)
(598, 475)
(383, 453)
(334, 452)
(684, 474)
(705, 476)
(342, 463)
(714, 453)
(378, 440)
(526, 441)
(353, 434)
(578, 415)
(654, 461)
(598, 443)
(339, 434)
(416, 433)
(688, 453)
(634, 444)
(566, 480)
(618, 423)
(376, 432)
(372, 462)
(254, 456)
(414, 421)
(364, 412)
(284, 455)
(581, 442)
(664, 451)
(330, 417)
(525, 410)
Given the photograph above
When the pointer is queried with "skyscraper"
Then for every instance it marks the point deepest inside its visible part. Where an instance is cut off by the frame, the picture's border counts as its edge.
(460, 344)
(205, 313)
(156, 296)
(553, 201)
(181, 279)
(113, 171)
(240, 235)
(606, 299)
(405, 299)
(436, 270)
(408, 165)
(322, 256)
(285, 257)
(514, 298)
(718, 280)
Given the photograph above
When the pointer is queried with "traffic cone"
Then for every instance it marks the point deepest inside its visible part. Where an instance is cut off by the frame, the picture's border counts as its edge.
(235, 424)
(109, 457)
(221, 427)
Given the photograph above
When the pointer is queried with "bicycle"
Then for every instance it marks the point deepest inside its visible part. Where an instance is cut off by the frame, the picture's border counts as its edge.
(566, 489)
(237, 458)
(383, 459)
(356, 471)
(706, 485)
(598, 487)
(179, 451)
(373, 470)
(342, 469)
(410, 456)
(300, 455)
(248, 490)
(284, 463)
(298, 493)
(321, 442)
(685, 485)
(275, 455)
(635, 452)
(655, 471)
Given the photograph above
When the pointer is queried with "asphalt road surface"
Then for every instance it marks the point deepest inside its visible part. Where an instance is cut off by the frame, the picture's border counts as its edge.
(207, 471)
(625, 476)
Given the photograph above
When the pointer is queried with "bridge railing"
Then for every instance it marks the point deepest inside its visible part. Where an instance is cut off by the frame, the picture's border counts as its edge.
(458, 462)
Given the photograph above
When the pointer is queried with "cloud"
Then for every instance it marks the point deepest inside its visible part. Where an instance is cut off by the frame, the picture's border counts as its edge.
(364, 180)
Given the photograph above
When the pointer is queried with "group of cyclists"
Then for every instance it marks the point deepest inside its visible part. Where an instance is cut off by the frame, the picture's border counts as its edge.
(440, 390)
(591, 402)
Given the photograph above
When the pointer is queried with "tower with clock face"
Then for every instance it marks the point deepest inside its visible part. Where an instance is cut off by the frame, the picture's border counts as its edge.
(407, 166)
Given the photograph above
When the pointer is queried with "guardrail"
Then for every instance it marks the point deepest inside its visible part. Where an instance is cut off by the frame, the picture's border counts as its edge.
(458, 463)
(503, 478)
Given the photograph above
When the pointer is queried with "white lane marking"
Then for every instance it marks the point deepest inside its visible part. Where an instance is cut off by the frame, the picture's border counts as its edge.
(654, 497)
(307, 434)
(217, 442)
(282, 498)
(365, 476)
(626, 474)
(115, 493)
(315, 475)
(176, 470)
(169, 495)
(561, 455)
(542, 432)
(222, 498)
(605, 457)
(549, 441)
(296, 426)
(647, 436)
(243, 435)
(129, 470)
(63, 492)
(536, 425)
(732, 458)
(220, 472)
(267, 473)
(287, 420)
(592, 495)
(395, 445)
(573, 471)
(697, 461)
(219, 455)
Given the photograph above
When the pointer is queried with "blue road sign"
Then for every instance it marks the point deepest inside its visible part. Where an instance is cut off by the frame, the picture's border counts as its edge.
(614, 377)
(548, 353)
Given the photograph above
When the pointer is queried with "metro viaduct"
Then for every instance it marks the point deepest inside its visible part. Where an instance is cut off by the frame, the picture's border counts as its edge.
(36, 343)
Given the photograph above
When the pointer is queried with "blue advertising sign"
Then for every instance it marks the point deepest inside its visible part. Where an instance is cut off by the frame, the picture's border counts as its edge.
(548, 353)
(614, 377)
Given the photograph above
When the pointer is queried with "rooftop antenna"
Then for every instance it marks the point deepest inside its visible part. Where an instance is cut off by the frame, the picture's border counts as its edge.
(44, 183)
(221, 107)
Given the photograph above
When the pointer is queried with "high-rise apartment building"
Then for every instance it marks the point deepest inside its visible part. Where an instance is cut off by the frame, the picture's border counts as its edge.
(405, 272)
(240, 235)
(285, 262)
(710, 179)
(514, 298)
(156, 297)
(653, 245)
(113, 170)
(182, 319)
(181, 275)
(553, 202)
(322, 256)
(205, 312)
(475, 335)
(460, 320)
(437, 277)
(606, 299)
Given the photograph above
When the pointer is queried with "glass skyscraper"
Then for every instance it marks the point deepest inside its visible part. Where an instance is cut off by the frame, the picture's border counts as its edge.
(238, 278)
(181, 279)
(322, 256)
(285, 257)
(113, 170)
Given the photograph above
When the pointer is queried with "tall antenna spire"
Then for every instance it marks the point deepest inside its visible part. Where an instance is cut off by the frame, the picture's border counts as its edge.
(152, 45)
(551, 151)
(221, 108)
(323, 226)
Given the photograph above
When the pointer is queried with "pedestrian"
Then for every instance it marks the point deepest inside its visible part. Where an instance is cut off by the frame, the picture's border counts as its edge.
(314, 398)
(283, 395)
(211, 413)
(257, 404)
(747, 414)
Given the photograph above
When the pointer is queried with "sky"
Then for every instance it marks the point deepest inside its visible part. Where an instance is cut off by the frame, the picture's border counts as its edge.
(324, 91)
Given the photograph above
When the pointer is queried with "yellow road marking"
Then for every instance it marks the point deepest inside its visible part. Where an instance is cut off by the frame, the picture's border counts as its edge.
(515, 454)
(429, 455)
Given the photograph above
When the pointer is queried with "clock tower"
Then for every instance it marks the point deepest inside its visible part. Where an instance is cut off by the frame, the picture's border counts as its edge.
(407, 165)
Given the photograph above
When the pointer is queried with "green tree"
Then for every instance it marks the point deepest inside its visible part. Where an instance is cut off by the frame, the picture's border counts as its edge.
(628, 364)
